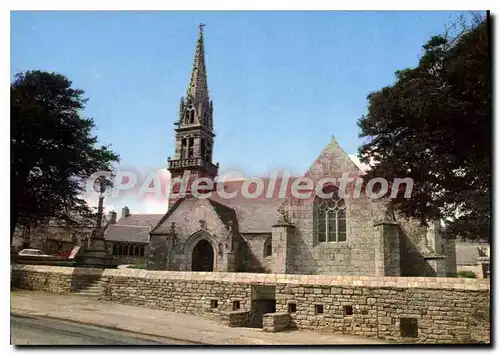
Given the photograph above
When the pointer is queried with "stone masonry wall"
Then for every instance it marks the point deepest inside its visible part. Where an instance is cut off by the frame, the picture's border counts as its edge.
(187, 219)
(275, 322)
(354, 257)
(235, 318)
(403, 309)
(255, 259)
(55, 279)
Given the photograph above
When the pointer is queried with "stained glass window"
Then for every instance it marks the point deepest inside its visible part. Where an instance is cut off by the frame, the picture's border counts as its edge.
(322, 220)
(330, 219)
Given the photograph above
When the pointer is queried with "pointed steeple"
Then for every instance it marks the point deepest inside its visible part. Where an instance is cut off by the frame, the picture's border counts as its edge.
(194, 136)
(198, 88)
(196, 108)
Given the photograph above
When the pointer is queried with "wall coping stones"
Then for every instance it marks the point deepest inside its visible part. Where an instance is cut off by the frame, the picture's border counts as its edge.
(460, 284)
(278, 314)
(239, 311)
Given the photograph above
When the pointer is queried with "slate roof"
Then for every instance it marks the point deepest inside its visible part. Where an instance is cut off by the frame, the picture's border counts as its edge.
(140, 220)
(134, 228)
(249, 215)
(255, 215)
(136, 234)
(225, 213)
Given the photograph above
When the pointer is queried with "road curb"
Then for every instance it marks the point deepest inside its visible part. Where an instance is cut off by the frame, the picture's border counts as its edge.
(29, 314)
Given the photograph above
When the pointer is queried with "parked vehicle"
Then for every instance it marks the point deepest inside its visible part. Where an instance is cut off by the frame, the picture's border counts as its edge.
(34, 252)
(63, 254)
(125, 266)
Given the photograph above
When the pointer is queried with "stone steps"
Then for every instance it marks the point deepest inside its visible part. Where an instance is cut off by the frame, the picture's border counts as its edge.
(93, 290)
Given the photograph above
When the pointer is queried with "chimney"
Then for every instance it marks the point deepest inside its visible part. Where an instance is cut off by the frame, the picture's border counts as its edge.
(125, 212)
(112, 217)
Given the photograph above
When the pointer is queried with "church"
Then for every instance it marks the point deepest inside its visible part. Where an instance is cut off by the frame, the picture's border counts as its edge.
(272, 233)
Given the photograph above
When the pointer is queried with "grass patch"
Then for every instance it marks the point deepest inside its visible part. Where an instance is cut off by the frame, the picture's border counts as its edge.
(467, 274)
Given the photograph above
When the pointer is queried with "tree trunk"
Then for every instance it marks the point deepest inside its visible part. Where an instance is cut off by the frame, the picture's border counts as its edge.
(13, 223)
(17, 185)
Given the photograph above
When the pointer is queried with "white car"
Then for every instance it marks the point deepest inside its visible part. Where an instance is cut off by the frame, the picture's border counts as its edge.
(33, 252)
(125, 266)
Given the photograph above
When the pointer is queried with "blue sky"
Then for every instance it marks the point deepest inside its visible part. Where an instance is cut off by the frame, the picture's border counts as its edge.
(282, 82)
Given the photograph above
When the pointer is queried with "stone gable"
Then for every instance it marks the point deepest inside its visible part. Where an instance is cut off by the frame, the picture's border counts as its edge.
(332, 162)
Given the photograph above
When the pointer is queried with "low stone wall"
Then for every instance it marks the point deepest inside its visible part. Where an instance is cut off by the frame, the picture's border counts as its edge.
(275, 322)
(55, 279)
(404, 309)
(476, 269)
(235, 318)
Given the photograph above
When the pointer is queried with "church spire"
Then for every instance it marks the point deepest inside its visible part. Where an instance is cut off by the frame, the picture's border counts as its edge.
(198, 88)
(194, 136)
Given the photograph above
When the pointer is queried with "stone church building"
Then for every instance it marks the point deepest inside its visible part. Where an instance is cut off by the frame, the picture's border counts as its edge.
(280, 234)
(273, 232)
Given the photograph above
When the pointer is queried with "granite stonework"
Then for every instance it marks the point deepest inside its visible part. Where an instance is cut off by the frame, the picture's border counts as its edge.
(235, 319)
(403, 309)
(240, 231)
(242, 234)
(275, 322)
(273, 230)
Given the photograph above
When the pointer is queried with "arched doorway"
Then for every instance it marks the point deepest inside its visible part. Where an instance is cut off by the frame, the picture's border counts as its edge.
(203, 256)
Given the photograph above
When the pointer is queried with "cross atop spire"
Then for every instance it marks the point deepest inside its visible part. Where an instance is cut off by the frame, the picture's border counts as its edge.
(198, 89)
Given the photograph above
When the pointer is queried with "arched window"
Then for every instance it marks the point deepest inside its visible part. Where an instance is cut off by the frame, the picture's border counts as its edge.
(191, 116)
(330, 217)
(126, 249)
(120, 249)
(190, 149)
(141, 250)
(115, 249)
(205, 119)
(183, 148)
(268, 248)
(202, 148)
(208, 152)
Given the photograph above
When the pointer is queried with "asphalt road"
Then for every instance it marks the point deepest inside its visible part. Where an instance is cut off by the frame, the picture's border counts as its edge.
(46, 331)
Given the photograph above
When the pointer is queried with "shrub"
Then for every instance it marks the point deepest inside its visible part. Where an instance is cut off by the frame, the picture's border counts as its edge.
(467, 274)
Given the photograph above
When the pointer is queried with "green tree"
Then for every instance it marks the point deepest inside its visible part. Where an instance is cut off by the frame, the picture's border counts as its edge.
(53, 150)
(434, 125)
